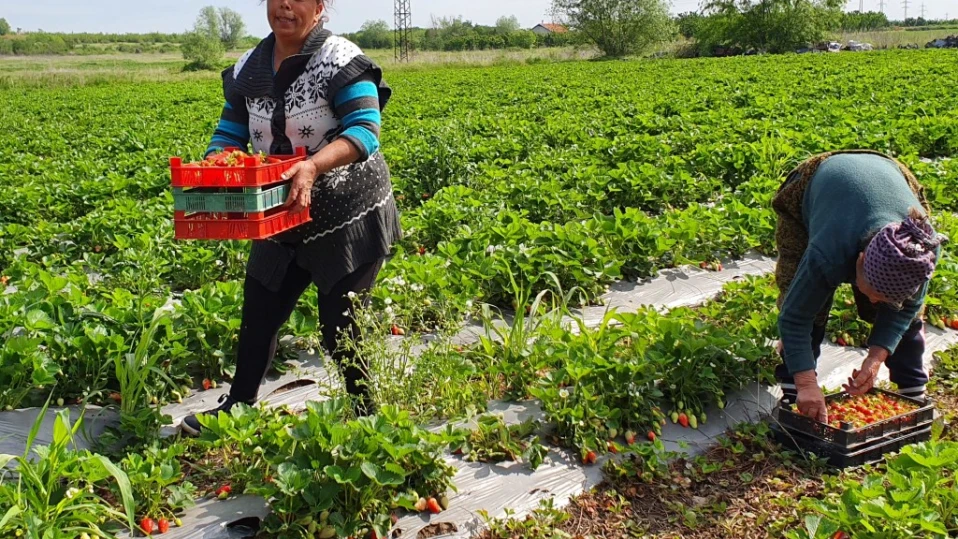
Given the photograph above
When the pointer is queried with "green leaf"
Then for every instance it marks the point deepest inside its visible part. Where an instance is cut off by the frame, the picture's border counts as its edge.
(380, 476)
(10, 515)
(126, 489)
(811, 524)
(37, 319)
(343, 476)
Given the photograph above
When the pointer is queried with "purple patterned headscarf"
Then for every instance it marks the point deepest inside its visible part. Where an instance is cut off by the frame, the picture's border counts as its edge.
(901, 258)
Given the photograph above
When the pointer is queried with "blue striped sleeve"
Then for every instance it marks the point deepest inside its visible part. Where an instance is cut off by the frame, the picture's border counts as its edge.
(356, 90)
(232, 129)
(357, 106)
(362, 138)
(362, 115)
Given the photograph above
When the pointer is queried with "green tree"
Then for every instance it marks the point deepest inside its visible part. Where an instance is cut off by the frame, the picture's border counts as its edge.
(507, 25)
(4, 27)
(522, 39)
(375, 35)
(618, 27)
(208, 23)
(203, 47)
(231, 27)
(773, 26)
(688, 23)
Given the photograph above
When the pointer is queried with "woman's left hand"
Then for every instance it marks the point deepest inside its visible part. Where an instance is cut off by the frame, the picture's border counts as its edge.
(862, 380)
(304, 175)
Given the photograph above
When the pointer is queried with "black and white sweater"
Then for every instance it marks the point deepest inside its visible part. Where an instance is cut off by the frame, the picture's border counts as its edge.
(354, 216)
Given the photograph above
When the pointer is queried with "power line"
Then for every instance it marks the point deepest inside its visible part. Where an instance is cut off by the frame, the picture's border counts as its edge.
(403, 16)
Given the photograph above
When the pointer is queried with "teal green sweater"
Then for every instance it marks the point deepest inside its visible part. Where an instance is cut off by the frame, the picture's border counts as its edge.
(851, 197)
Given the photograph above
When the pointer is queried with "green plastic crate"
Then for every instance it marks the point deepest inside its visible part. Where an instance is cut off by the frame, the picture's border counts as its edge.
(216, 199)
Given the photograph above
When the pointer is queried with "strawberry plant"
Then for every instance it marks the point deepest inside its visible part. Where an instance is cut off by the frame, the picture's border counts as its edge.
(53, 492)
(914, 496)
(319, 472)
(157, 481)
(494, 441)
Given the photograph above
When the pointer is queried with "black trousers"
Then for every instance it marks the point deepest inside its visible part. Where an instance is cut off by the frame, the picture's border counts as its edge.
(905, 367)
(265, 312)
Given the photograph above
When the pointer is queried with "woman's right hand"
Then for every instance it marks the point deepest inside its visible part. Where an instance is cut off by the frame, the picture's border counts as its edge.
(300, 191)
(811, 399)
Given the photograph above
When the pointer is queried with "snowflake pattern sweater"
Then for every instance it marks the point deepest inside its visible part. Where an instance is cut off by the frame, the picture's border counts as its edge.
(329, 90)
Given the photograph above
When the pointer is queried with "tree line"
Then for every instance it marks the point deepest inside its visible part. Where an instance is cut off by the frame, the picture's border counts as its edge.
(457, 34)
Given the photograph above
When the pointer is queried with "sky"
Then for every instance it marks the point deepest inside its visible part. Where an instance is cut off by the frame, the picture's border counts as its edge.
(120, 16)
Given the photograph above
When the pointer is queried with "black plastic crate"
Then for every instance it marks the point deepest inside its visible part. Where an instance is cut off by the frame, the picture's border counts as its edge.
(869, 453)
(851, 437)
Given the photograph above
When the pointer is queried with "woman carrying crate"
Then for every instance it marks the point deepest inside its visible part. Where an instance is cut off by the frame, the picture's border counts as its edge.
(855, 217)
(304, 87)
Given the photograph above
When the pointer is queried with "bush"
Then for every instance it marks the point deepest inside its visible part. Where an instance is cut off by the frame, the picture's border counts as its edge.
(202, 52)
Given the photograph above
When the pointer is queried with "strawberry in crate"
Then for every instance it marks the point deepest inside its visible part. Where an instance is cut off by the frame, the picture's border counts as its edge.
(232, 158)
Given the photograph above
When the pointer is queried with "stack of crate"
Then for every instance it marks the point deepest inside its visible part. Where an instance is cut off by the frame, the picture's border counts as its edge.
(233, 202)
(848, 446)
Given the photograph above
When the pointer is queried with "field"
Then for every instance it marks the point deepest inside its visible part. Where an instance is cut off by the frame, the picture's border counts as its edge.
(529, 188)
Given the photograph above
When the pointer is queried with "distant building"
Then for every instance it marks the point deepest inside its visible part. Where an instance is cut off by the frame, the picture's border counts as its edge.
(547, 28)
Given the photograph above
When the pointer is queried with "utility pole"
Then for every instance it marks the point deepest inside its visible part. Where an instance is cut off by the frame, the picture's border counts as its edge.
(905, 4)
(403, 16)
(922, 9)
(881, 6)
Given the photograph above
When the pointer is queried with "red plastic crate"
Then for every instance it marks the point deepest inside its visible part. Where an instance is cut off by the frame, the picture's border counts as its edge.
(210, 226)
(252, 175)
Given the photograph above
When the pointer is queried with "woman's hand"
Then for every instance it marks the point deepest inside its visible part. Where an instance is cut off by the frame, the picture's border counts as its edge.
(304, 175)
(811, 400)
(862, 380)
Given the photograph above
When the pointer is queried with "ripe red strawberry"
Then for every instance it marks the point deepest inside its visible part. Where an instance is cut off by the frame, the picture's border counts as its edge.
(612, 448)
(116, 397)
(589, 458)
(147, 525)
(163, 525)
(396, 330)
(433, 506)
(207, 384)
(703, 264)
(651, 436)
(683, 420)
(841, 342)
(840, 535)
(422, 250)
(224, 492)
(954, 324)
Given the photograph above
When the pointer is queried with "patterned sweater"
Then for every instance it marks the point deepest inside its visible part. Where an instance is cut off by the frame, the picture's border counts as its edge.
(329, 90)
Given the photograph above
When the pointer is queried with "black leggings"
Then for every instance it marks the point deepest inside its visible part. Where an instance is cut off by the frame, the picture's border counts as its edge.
(265, 312)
